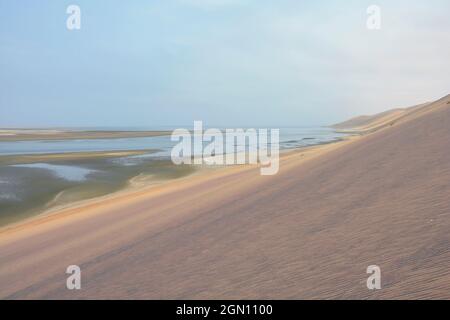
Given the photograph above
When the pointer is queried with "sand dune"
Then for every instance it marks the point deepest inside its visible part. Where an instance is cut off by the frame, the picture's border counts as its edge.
(369, 124)
(308, 232)
(364, 121)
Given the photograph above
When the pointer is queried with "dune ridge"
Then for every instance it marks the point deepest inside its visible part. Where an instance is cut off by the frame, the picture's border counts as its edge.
(368, 124)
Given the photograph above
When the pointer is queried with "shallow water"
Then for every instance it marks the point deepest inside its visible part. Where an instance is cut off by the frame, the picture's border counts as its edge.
(70, 173)
(289, 138)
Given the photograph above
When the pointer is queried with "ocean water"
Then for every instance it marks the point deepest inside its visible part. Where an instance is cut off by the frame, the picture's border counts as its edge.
(289, 138)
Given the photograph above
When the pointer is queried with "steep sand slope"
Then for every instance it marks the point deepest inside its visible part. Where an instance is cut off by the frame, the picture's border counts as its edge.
(308, 232)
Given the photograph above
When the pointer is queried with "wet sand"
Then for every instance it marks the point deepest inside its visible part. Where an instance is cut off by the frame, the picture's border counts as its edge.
(308, 232)
(32, 188)
(68, 156)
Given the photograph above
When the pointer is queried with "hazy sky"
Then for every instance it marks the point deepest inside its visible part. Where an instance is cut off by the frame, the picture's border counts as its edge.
(239, 62)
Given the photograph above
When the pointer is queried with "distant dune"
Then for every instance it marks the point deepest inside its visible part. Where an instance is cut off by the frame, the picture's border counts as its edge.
(367, 124)
(364, 121)
(308, 232)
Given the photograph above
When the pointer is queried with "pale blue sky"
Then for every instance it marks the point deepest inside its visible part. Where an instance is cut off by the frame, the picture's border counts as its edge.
(226, 62)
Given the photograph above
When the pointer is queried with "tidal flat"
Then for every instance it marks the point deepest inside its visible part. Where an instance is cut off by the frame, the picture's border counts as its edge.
(55, 134)
(32, 184)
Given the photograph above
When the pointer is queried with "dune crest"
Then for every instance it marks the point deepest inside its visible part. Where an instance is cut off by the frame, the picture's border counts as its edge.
(368, 124)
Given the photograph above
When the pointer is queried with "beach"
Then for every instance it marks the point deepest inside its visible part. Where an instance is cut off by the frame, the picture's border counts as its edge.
(308, 232)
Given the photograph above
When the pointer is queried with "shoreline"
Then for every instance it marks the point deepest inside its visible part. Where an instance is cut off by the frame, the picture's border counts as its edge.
(149, 186)
(14, 135)
(28, 158)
